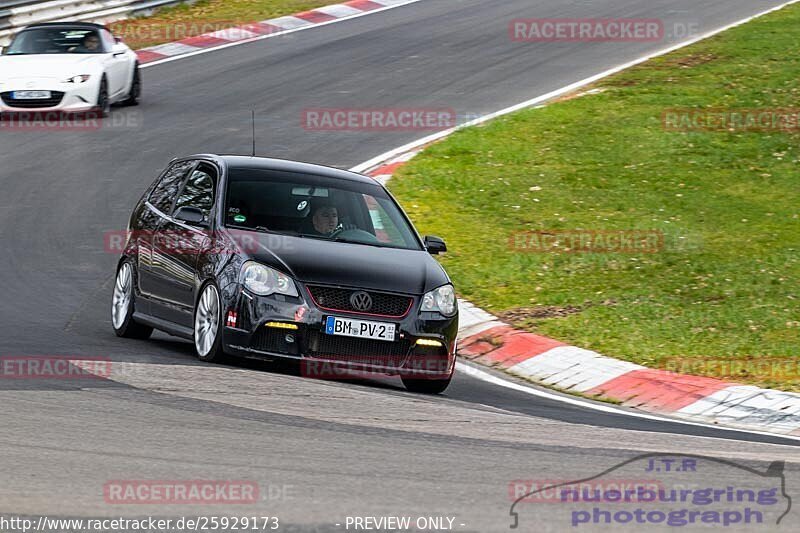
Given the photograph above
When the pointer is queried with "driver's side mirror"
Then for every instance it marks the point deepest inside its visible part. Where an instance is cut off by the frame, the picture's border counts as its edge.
(119, 49)
(118, 39)
(435, 245)
(191, 215)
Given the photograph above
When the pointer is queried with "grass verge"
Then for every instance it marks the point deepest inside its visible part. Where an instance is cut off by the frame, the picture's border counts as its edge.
(188, 20)
(721, 296)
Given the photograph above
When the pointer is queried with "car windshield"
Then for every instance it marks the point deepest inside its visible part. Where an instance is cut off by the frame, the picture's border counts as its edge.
(316, 207)
(55, 41)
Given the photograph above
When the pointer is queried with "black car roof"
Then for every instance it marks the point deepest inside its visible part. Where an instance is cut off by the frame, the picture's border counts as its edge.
(72, 25)
(285, 165)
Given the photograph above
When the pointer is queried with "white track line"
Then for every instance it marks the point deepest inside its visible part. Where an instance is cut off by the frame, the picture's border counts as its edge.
(482, 375)
(558, 92)
(279, 33)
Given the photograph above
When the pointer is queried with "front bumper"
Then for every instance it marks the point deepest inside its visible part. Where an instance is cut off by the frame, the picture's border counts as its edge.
(277, 327)
(66, 97)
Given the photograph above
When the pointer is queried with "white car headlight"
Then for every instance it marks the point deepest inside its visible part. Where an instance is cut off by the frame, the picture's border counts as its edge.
(263, 281)
(442, 299)
(80, 78)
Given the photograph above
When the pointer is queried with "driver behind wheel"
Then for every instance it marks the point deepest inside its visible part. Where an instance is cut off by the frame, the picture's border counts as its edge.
(325, 220)
(89, 45)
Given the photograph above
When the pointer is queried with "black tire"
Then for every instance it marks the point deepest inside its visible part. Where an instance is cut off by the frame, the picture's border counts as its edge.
(136, 88)
(215, 353)
(103, 103)
(427, 386)
(126, 326)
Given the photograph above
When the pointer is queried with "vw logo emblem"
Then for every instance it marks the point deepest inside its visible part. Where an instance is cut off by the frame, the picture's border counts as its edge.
(361, 301)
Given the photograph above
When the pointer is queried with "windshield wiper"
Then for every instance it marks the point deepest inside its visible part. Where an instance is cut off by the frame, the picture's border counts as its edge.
(349, 241)
(264, 229)
(248, 228)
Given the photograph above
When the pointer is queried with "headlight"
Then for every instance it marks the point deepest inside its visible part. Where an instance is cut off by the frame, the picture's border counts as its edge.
(264, 281)
(442, 299)
(80, 78)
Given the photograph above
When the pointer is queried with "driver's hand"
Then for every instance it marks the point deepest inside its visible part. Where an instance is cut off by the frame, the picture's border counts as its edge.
(343, 227)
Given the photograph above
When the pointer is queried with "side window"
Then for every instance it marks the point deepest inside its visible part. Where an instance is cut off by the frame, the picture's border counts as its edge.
(385, 229)
(108, 40)
(167, 189)
(199, 190)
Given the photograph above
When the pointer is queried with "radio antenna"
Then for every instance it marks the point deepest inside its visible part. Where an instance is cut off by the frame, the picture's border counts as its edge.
(253, 116)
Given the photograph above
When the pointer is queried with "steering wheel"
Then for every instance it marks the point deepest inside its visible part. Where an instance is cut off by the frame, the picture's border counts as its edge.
(354, 234)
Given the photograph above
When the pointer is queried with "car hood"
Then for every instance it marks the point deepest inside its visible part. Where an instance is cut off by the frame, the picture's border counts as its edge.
(352, 265)
(59, 66)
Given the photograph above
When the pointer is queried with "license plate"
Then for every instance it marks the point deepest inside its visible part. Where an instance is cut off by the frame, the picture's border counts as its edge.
(31, 95)
(364, 329)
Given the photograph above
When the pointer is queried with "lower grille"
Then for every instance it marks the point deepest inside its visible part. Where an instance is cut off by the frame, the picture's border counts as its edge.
(274, 341)
(54, 100)
(381, 303)
(357, 351)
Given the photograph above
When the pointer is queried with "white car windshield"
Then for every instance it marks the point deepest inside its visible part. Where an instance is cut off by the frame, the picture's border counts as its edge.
(56, 41)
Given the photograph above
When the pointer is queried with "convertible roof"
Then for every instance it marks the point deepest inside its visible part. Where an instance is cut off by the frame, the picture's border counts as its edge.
(74, 25)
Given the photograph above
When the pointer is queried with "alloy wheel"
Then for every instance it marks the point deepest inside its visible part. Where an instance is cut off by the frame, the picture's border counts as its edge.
(121, 301)
(206, 321)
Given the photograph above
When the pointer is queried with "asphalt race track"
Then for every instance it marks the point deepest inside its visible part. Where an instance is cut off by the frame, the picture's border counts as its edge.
(320, 451)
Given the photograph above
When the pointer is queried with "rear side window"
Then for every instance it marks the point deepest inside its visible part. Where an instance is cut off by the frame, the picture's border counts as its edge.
(165, 192)
(199, 190)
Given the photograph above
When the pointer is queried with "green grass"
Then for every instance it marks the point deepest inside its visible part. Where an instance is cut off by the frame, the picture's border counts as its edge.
(725, 285)
(187, 20)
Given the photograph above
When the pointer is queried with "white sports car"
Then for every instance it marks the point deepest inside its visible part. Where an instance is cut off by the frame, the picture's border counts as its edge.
(67, 67)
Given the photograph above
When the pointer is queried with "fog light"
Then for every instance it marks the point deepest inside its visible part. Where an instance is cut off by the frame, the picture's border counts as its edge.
(429, 342)
(281, 325)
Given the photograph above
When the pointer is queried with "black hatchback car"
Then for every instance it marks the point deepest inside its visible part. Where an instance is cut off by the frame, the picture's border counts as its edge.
(274, 259)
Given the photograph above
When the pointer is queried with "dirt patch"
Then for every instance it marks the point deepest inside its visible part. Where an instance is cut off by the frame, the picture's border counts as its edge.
(692, 60)
(622, 83)
(523, 314)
